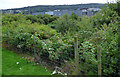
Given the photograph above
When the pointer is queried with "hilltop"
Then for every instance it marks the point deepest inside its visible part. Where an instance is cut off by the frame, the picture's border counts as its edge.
(44, 8)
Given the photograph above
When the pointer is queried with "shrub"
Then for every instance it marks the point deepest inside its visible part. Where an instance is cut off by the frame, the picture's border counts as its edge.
(8, 18)
(65, 23)
(88, 61)
(109, 47)
(18, 34)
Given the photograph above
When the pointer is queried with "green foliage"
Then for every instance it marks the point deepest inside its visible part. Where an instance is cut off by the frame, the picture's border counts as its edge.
(8, 18)
(105, 16)
(58, 48)
(45, 19)
(32, 18)
(108, 37)
(66, 23)
(102, 29)
(115, 7)
(74, 16)
(87, 56)
(20, 35)
(110, 49)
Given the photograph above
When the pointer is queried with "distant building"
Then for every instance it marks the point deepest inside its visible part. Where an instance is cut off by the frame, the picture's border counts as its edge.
(69, 12)
(9, 12)
(84, 12)
(17, 11)
(79, 12)
(38, 13)
(50, 12)
(94, 9)
(56, 10)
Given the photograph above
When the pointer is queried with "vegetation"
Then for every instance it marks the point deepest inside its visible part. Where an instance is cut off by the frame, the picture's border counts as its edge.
(30, 34)
(13, 64)
(46, 19)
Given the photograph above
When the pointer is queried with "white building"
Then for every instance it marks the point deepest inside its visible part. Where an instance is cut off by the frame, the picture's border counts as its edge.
(94, 9)
(50, 12)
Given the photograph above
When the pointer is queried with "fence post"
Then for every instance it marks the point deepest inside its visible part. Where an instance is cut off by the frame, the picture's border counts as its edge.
(36, 56)
(99, 61)
(76, 55)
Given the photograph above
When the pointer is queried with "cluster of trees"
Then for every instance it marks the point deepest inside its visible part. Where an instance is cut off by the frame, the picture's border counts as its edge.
(45, 19)
(41, 19)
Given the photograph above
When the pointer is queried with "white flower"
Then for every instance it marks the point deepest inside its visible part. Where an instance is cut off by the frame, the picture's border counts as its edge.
(49, 48)
(54, 72)
(65, 73)
(18, 46)
(19, 68)
(90, 44)
(37, 63)
(65, 60)
(32, 36)
(59, 72)
(17, 63)
(22, 57)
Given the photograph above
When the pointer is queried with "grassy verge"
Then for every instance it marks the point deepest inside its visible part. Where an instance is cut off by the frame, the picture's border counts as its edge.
(12, 64)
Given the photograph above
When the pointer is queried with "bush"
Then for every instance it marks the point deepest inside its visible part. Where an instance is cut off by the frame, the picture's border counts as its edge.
(109, 47)
(59, 49)
(9, 18)
(18, 34)
(42, 19)
(65, 23)
(87, 54)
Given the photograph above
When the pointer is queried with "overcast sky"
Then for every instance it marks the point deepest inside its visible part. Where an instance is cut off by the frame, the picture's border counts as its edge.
(7, 4)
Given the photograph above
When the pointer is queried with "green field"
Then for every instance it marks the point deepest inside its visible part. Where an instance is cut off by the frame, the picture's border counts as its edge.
(12, 64)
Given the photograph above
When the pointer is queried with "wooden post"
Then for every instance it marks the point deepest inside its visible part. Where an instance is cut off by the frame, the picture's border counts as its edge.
(36, 56)
(99, 61)
(34, 45)
(76, 55)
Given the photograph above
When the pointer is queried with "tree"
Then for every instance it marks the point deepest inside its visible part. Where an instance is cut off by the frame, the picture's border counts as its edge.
(74, 16)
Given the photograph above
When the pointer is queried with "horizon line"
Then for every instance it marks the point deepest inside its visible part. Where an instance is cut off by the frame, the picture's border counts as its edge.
(49, 5)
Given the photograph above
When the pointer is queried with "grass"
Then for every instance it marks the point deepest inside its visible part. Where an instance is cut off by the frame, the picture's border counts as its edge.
(10, 66)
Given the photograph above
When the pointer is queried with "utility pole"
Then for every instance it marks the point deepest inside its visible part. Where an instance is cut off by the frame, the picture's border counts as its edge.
(29, 9)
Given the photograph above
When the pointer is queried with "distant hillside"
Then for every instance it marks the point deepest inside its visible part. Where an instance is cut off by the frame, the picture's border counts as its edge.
(44, 8)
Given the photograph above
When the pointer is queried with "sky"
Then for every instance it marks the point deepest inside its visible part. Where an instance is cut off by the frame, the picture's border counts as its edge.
(8, 4)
